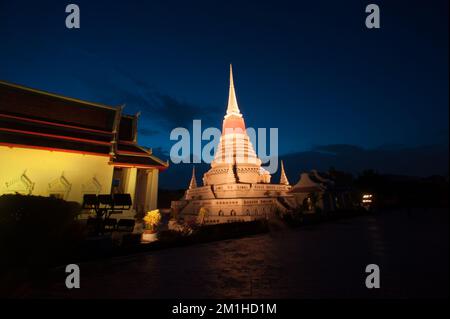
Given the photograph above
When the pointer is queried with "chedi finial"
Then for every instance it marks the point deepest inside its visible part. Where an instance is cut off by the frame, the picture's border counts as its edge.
(232, 108)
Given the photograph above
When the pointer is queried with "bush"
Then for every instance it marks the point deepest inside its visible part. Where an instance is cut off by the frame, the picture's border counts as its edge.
(36, 230)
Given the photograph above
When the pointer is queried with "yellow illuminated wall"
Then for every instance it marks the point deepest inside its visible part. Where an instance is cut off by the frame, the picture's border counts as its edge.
(63, 174)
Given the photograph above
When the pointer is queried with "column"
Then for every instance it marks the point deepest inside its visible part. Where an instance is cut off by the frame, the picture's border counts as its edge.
(151, 201)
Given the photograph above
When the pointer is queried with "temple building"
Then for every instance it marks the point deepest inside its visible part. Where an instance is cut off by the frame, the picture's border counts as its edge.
(51, 145)
(319, 191)
(236, 187)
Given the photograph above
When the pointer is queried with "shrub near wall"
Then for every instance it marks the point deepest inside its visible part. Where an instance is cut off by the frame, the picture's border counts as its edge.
(36, 230)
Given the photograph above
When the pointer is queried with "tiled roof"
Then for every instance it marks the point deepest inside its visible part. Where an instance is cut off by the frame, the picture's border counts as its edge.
(15, 139)
(30, 103)
(35, 119)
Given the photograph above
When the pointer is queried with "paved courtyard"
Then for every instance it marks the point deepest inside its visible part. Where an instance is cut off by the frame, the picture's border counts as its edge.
(323, 261)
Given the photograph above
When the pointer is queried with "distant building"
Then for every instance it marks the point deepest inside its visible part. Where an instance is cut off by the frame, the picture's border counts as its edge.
(236, 188)
(317, 190)
(51, 145)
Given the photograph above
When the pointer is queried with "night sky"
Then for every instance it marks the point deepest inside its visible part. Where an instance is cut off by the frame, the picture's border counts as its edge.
(312, 69)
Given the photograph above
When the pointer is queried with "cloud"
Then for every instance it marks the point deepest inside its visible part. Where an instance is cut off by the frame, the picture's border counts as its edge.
(390, 159)
(402, 160)
(179, 113)
(144, 131)
(162, 109)
(338, 149)
(161, 152)
(115, 85)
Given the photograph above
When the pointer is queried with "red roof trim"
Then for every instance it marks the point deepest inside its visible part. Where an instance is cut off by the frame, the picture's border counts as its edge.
(127, 142)
(76, 139)
(54, 124)
(52, 149)
(117, 164)
(131, 153)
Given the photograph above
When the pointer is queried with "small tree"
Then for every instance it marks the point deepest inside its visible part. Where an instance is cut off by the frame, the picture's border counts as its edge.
(152, 219)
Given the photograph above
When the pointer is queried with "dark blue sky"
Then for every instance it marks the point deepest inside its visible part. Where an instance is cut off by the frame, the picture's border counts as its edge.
(310, 68)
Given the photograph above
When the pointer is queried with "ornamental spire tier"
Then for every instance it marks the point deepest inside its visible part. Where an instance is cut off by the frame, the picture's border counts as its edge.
(193, 183)
(232, 108)
(235, 155)
(283, 177)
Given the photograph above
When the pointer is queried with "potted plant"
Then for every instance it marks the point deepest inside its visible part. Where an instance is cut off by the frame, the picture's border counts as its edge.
(151, 220)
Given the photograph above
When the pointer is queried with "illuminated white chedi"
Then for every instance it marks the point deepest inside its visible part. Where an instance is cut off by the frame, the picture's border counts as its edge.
(236, 188)
(235, 160)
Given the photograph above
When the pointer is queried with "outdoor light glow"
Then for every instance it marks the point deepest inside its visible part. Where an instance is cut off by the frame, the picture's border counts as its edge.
(367, 198)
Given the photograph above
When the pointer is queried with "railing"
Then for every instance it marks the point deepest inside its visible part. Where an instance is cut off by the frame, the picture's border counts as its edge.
(104, 206)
